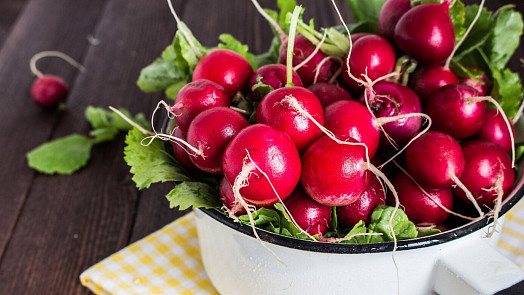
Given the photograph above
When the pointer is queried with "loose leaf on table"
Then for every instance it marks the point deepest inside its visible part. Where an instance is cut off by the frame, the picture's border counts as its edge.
(151, 164)
(64, 155)
(193, 194)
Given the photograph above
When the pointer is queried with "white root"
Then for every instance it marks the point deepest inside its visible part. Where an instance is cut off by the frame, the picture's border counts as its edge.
(65, 57)
(519, 113)
(448, 61)
(305, 61)
(183, 30)
(498, 206)
(431, 197)
(506, 120)
(322, 62)
(468, 194)
(281, 34)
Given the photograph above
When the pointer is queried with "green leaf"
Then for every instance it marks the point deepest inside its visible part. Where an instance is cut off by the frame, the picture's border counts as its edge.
(106, 124)
(288, 227)
(427, 232)
(151, 164)
(233, 44)
(366, 10)
(505, 38)
(159, 75)
(63, 156)
(359, 228)
(264, 218)
(507, 90)
(260, 88)
(285, 7)
(402, 227)
(193, 194)
(457, 13)
(480, 32)
(103, 134)
(172, 91)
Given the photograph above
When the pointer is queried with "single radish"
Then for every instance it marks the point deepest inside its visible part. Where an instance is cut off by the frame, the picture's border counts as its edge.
(426, 32)
(420, 208)
(334, 174)
(273, 75)
(435, 159)
(181, 154)
(311, 216)
(225, 67)
(389, 15)
(304, 49)
(210, 132)
(328, 93)
(195, 97)
(429, 78)
(370, 55)
(350, 118)
(259, 149)
(495, 130)
(480, 83)
(49, 90)
(362, 208)
(275, 111)
(487, 174)
(356, 36)
(228, 198)
(455, 110)
(394, 99)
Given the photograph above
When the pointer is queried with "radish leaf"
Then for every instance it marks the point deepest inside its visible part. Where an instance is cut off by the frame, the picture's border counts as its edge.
(193, 194)
(505, 39)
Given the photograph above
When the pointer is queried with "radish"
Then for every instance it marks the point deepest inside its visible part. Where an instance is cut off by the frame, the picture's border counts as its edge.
(210, 131)
(49, 90)
(273, 75)
(225, 67)
(426, 32)
(362, 208)
(393, 99)
(455, 110)
(195, 97)
(228, 198)
(488, 173)
(328, 93)
(495, 130)
(356, 36)
(311, 216)
(370, 55)
(389, 15)
(429, 78)
(481, 83)
(181, 154)
(420, 208)
(334, 174)
(261, 148)
(304, 49)
(275, 111)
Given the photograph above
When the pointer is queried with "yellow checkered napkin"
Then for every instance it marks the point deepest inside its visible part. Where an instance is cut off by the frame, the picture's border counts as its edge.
(165, 262)
(511, 242)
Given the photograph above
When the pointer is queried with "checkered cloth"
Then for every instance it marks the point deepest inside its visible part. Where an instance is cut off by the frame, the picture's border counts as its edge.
(165, 262)
(168, 261)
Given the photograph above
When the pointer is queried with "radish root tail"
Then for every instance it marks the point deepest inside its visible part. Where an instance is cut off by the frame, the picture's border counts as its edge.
(65, 57)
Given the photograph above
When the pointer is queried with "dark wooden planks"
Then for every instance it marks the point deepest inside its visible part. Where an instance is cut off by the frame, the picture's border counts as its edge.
(24, 125)
(9, 12)
(70, 222)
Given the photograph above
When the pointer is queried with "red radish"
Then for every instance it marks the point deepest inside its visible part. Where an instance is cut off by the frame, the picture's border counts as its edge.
(393, 99)
(495, 130)
(273, 110)
(311, 216)
(389, 15)
(328, 93)
(334, 174)
(261, 149)
(487, 172)
(356, 36)
(426, 32)
(481, 84)
(371, 55)
(455, 110)
(225, 67)
(429, 78)
(181, 155)
(419, 208)
(210, 132)
(303, 48)
(350, 118)
(195, 97)
(48, 90)
(227, 197)
(362, 208)
(273, 75)
(435, 159)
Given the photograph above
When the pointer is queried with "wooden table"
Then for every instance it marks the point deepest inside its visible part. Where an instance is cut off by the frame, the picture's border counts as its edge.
(54, 227)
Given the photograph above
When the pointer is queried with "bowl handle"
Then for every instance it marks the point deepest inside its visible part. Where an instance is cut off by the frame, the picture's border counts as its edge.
(477, 268)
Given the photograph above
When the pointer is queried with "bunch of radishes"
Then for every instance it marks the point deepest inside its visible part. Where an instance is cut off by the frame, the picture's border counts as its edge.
(321, 124)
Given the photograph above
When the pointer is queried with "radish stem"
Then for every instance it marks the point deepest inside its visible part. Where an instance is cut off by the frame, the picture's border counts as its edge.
(291, 44)
(67, 58)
